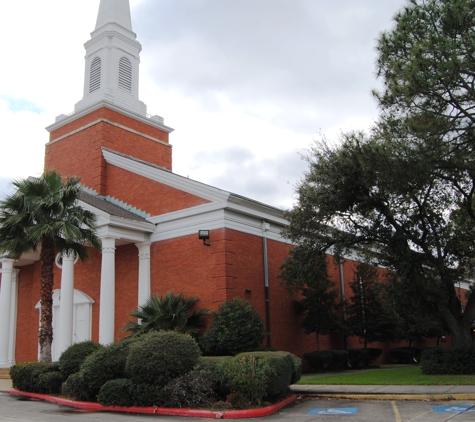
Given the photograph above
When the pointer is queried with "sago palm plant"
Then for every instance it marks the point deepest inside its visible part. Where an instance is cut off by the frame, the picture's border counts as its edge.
(167, 313)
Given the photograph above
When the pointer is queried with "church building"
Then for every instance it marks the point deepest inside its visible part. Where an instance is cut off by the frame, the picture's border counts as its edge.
(159, 231)
(149, 220)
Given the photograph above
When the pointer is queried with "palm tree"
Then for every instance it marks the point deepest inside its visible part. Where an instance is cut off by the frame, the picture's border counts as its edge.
(43, 215)
(167, 312)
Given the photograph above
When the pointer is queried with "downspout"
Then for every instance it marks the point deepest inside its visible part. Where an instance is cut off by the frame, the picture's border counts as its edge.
(266, 228)
(342, 288)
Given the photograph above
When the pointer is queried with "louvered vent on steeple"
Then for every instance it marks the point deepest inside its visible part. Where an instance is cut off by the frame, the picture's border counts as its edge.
(125, 74)
(95, 76)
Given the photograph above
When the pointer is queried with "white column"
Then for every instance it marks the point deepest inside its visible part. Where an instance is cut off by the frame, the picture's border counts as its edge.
(107, 304)
(66, 303)
(144, 272)
(5, 309)
(13, 318)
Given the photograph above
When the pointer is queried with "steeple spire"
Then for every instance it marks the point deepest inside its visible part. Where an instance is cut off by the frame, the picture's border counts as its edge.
(114, 11)
(112, 61)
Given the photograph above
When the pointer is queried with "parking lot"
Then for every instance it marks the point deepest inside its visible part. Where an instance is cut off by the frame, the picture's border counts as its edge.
(14, 409)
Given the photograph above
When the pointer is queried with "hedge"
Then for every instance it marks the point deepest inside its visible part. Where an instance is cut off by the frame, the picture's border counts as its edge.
(326, 358)
(37, 377)
(363, 357)
(453, 361)
(406, 354)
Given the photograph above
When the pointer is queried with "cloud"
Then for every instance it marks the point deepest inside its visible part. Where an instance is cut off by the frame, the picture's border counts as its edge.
(270, 180)
(5, 187)
(17, 105)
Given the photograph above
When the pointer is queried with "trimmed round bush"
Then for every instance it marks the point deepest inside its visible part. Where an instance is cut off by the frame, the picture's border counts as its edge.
(105, 364)
(158, 357)
(145, 395)
(236, 327)
(71, 359)
(26, 376)
(116, 393)
(50, 382)
(76, 388)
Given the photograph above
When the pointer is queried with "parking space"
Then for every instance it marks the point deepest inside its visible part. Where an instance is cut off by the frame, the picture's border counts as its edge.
(14, 409)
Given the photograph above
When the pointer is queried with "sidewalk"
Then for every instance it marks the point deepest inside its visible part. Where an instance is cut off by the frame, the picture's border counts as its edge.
(389, 392)
(5, 385)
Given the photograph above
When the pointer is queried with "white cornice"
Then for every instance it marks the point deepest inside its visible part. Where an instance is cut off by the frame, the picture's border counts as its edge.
(95, 122)
(166, 177)
(213, 220)
(96, 106)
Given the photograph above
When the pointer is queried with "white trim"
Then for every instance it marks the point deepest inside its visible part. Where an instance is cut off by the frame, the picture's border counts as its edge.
(95, 122)
(213, 220)
(100, 104)
(165, 177)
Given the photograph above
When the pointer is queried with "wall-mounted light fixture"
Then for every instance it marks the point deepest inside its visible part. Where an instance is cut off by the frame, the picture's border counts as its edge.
(204, 235)
(248, 291)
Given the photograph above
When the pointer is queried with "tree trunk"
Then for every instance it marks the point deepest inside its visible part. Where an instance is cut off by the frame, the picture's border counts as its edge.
(46, 294)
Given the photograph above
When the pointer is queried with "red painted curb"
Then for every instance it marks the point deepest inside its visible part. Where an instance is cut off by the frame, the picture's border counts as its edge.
(96, 407)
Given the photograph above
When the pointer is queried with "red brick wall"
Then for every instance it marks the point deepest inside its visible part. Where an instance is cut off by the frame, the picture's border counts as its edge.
(147, 195)
(80, 154)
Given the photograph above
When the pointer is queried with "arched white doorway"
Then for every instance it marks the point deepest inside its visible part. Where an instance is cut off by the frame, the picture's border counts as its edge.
(82, 318)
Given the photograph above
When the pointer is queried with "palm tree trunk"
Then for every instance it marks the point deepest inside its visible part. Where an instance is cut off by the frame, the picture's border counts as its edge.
(46, 294)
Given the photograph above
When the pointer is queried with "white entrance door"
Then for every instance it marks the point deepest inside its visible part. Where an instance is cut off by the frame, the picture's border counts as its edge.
(82, 319)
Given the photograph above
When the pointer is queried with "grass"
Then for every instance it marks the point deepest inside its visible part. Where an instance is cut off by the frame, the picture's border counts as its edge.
(398, 376)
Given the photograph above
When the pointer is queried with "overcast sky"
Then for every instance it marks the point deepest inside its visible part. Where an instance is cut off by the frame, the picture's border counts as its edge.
(246, 84)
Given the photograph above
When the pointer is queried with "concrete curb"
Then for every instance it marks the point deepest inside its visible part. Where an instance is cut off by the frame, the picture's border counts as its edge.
(96, 407)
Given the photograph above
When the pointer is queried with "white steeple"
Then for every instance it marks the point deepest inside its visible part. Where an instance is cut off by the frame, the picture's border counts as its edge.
(114, 11)
(112, 60)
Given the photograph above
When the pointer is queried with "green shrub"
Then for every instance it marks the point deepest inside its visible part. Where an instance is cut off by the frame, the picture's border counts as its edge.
(76, 388)
(454, 361)
(282, 366)
(26, 376)
(296, 368)
(71, 359)
(158, 357)
(197, 388)
(237, 400)
(210, 363)
(103, 365)
(406, 354)
(319, 359)
(148, 395)
(248, 376)
(116, 393)
(50, 382)
(236, 327)
(363, 357)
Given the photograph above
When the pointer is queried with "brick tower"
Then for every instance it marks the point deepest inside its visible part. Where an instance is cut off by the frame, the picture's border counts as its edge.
(110, 114)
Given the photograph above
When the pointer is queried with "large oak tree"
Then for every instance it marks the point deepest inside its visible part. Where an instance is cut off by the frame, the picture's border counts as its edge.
(403, 196)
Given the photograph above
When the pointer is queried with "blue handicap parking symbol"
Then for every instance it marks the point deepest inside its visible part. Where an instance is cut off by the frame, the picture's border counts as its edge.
(334, 411)
(454, 409)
